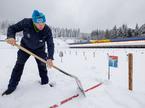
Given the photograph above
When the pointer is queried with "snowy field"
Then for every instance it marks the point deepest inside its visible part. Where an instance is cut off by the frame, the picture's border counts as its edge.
(89, 65)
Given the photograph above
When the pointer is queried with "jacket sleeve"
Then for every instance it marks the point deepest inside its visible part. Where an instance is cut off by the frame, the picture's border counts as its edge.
(50, 44)
(13, 29)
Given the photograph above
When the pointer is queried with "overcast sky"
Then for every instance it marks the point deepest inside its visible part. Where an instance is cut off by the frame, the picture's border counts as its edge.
(87, 15)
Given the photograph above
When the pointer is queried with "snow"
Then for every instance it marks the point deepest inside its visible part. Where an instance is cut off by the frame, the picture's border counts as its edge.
(89, 65)
(2, 37)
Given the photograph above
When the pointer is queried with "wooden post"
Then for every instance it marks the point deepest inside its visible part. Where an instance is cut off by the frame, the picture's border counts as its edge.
(94, 54)
(83, 53)
(76, 52)
(130, 71)
(61, 55)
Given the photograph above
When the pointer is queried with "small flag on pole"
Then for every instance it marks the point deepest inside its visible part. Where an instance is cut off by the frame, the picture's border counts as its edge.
(113, 61)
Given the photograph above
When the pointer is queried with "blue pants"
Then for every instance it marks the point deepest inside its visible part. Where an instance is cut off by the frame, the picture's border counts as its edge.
(22, 57)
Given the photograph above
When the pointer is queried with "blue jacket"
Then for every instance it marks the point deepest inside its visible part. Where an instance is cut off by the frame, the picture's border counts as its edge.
(31, 38)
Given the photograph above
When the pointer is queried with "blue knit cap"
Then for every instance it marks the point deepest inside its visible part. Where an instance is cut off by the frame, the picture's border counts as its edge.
(38, 17)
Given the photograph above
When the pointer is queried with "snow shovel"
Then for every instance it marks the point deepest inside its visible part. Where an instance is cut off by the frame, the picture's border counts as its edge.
(44, 61)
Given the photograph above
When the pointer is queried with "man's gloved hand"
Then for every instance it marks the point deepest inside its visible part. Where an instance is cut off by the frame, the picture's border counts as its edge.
(11, 41)
(50, 63)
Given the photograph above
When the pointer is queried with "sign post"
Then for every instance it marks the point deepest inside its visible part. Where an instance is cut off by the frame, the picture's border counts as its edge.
(112, 62)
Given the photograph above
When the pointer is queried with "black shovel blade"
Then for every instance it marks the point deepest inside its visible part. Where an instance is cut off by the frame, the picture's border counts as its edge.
(80, 86)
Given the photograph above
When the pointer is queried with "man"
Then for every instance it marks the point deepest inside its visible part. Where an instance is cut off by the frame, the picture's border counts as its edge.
(35, 34)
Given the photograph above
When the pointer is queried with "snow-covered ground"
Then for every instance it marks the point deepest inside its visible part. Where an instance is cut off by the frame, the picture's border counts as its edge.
(89, 65)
